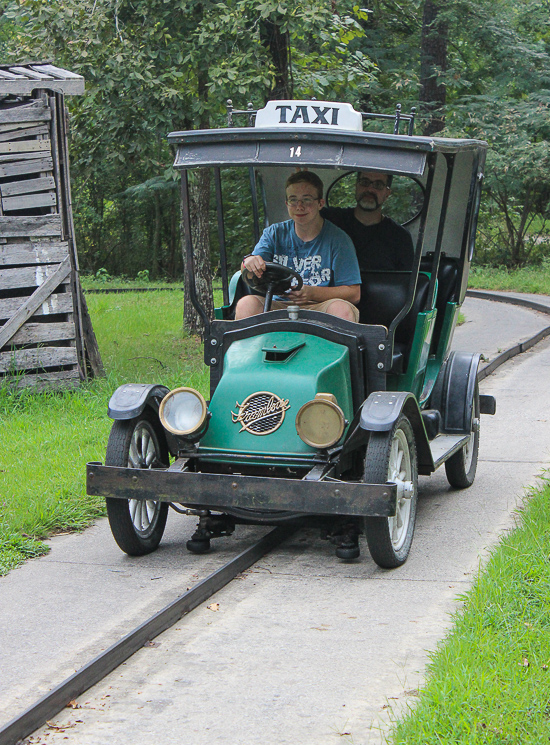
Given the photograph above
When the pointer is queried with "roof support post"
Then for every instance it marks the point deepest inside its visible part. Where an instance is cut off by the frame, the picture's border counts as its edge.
(221, 234)
(255, 210)
(419, 247)
(450, 161)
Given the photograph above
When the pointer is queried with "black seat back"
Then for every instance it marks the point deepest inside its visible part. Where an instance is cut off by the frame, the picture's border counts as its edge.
(447, 278)
(383, 295)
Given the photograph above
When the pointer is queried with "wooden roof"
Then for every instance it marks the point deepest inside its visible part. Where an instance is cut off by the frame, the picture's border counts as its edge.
(22, 80)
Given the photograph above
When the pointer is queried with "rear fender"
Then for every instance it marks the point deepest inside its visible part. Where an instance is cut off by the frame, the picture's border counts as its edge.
(130, 400)
(454, 390)
(382, 409)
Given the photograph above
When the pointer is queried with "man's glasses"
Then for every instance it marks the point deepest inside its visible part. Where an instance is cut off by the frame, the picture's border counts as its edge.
(368, 184)
(306, 201)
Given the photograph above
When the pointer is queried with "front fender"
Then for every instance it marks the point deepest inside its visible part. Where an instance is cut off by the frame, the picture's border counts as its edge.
(129, 400)
(382, 409)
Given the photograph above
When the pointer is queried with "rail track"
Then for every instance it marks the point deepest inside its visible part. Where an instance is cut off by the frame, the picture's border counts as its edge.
(57, 699)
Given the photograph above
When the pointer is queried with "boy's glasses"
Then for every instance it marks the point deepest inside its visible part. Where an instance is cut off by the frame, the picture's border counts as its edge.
(306, 201)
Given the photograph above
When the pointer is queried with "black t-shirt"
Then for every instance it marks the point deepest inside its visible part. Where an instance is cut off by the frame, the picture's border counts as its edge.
(385, 246)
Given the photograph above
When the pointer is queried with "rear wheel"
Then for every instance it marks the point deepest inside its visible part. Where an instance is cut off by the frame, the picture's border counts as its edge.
(391, 456)
(137, 525)
(461, 467)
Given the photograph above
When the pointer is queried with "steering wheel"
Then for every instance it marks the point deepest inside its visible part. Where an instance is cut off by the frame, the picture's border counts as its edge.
(275, 280)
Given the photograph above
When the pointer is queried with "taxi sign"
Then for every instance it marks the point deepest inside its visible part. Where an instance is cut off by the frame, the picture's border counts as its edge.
(317, 114)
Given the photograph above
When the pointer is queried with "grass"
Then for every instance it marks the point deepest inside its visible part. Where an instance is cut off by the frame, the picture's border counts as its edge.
(92, 282)
(533, 279)
(489, 680)
(47, 438)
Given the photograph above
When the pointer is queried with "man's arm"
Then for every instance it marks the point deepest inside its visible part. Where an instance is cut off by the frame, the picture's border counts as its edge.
(311, 294)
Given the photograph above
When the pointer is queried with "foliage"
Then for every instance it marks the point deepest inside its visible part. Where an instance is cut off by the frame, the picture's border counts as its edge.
(497, 89)
(155, 66)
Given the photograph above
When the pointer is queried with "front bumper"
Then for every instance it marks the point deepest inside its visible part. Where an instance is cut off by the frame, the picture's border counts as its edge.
(223, 491)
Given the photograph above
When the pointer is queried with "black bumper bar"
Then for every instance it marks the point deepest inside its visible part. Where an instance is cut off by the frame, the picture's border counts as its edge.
(219, 491)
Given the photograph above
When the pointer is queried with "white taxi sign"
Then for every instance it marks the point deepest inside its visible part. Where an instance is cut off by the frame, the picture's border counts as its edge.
(310, 114)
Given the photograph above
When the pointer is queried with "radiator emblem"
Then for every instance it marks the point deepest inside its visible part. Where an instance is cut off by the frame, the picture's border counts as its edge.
(260, 413)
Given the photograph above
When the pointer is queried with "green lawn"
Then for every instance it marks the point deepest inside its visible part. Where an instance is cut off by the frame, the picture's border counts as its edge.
(47, 438)
(529, 279)
(489, 680)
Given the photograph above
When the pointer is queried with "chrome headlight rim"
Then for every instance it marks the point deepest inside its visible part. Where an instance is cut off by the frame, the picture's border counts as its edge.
(321, 400)
(196, 427)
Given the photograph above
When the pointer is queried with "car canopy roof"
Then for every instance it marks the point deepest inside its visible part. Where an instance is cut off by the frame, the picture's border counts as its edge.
(250, 146)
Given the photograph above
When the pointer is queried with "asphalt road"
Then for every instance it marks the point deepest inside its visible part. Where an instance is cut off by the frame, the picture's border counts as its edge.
(303, 648)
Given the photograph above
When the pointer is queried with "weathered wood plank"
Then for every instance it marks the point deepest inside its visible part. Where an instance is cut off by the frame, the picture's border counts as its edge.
(26, 87)
(28, 186)
(26, 276)
(28, 72)
(27, 146)
(58, 302)
(33, 253)
(16, 126)
(38, 333)
(44, 381)
(37, 359)
(21, 167)
(10, 157)
(36, 112)
(17, 134)
(92, 348)
(30, 227)
(30, 201)
(10, 75)
(33, 302)
(57, 72)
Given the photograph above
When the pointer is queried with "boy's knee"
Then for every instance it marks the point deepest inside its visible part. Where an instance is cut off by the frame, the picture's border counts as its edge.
(249, 305)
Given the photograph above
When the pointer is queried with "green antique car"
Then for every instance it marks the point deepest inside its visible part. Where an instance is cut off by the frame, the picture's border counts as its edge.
(313, 418)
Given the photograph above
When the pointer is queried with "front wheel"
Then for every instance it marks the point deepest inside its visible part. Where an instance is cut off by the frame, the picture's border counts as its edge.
(462, 466)
(137, 525)
(391, 456)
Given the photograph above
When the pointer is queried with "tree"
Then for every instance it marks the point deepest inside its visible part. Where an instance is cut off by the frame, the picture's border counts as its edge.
(433, 66)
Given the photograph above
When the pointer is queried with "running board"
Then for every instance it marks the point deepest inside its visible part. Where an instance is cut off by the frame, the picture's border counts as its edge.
(443, 446)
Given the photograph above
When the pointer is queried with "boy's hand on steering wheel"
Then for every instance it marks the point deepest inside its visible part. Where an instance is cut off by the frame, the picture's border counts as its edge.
(254, 264)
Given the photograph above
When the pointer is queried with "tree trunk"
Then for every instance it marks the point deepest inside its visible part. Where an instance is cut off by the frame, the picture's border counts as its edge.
(276, 43)
(199, 197)
(433, 64)
(157, 238)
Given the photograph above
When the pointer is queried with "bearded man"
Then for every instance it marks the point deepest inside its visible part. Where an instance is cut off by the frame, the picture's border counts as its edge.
(380, 242)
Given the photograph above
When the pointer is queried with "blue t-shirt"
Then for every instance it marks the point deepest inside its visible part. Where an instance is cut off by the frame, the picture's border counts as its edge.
(329, 260)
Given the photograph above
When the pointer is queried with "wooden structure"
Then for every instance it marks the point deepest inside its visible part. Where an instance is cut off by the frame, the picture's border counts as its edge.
(46, 338)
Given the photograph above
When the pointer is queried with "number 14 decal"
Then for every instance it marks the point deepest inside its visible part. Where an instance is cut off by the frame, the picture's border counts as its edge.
(295, 152)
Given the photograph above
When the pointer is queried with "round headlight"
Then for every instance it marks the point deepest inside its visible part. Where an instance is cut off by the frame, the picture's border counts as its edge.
(320, 423)
(183, 411)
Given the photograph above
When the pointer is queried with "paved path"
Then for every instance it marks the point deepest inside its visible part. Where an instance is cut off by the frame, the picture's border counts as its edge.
(304, 648)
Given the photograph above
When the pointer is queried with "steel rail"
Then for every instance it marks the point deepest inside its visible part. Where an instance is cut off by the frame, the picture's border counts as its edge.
(94, 671)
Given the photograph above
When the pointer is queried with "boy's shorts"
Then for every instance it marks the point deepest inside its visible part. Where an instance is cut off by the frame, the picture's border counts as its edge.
(323, 307)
